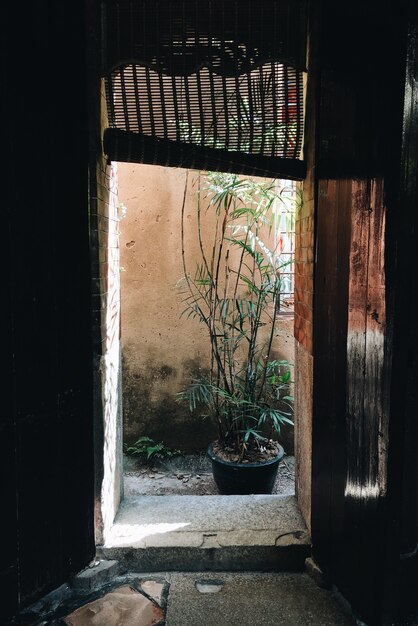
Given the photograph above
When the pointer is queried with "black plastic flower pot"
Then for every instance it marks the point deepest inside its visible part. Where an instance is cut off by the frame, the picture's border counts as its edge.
(244, 478)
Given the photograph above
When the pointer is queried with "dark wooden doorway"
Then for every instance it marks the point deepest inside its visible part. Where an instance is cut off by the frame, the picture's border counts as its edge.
(364, 496)
(46, 431)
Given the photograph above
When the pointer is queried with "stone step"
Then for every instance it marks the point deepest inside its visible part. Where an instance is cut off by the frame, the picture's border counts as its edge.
(218, 533)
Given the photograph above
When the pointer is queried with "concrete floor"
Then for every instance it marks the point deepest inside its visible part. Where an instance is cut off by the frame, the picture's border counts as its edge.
(193, 599)
(209, 561)
(253, 599)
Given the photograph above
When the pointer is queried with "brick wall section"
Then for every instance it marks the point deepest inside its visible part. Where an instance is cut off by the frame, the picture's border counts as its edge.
(304, 286)
(304, 264)
(104, 237)
(107, 282)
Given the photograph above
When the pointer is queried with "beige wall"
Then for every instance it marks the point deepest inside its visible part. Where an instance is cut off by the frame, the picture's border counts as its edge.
(161, 352)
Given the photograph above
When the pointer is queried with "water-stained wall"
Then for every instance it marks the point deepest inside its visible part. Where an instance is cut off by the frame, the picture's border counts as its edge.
(161, 351)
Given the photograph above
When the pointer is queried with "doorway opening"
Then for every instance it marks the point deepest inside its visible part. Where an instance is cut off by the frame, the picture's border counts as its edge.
(165, 345)
(192, 98)
(158, 351)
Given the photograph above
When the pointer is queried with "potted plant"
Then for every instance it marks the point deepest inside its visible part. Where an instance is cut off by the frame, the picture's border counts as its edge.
(234, 291)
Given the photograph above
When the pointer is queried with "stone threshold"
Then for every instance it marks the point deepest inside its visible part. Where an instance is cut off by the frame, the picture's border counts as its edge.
(218, 533)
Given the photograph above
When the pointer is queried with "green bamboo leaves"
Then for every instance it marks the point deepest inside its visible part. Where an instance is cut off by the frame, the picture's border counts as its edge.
(234, 291)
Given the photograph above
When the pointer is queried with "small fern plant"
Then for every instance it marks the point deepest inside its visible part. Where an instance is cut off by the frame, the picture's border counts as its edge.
(147, 448)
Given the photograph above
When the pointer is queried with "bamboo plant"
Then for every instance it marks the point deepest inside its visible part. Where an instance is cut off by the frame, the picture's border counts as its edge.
(234, 291)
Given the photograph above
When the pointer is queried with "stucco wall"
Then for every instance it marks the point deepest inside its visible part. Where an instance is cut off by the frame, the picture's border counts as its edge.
(161, 352)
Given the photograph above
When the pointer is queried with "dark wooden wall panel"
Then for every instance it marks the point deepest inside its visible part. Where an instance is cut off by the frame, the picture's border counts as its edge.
(8, 487)
(46, 434)
(401, 598)
(330, 332)
(351, 392)
(8, 477)
(40, 526)
(356, 425)
(367, 410)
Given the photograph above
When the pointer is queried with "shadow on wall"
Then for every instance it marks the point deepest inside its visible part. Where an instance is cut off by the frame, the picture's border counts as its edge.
(150, 407)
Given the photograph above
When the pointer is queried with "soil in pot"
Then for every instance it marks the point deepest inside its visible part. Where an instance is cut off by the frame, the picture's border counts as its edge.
(255, 474)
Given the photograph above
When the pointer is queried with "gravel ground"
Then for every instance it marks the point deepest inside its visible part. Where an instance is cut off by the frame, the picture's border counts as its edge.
(189, 475)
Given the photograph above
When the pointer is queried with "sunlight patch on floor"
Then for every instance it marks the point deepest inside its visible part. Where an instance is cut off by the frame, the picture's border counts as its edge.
(136, 533)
